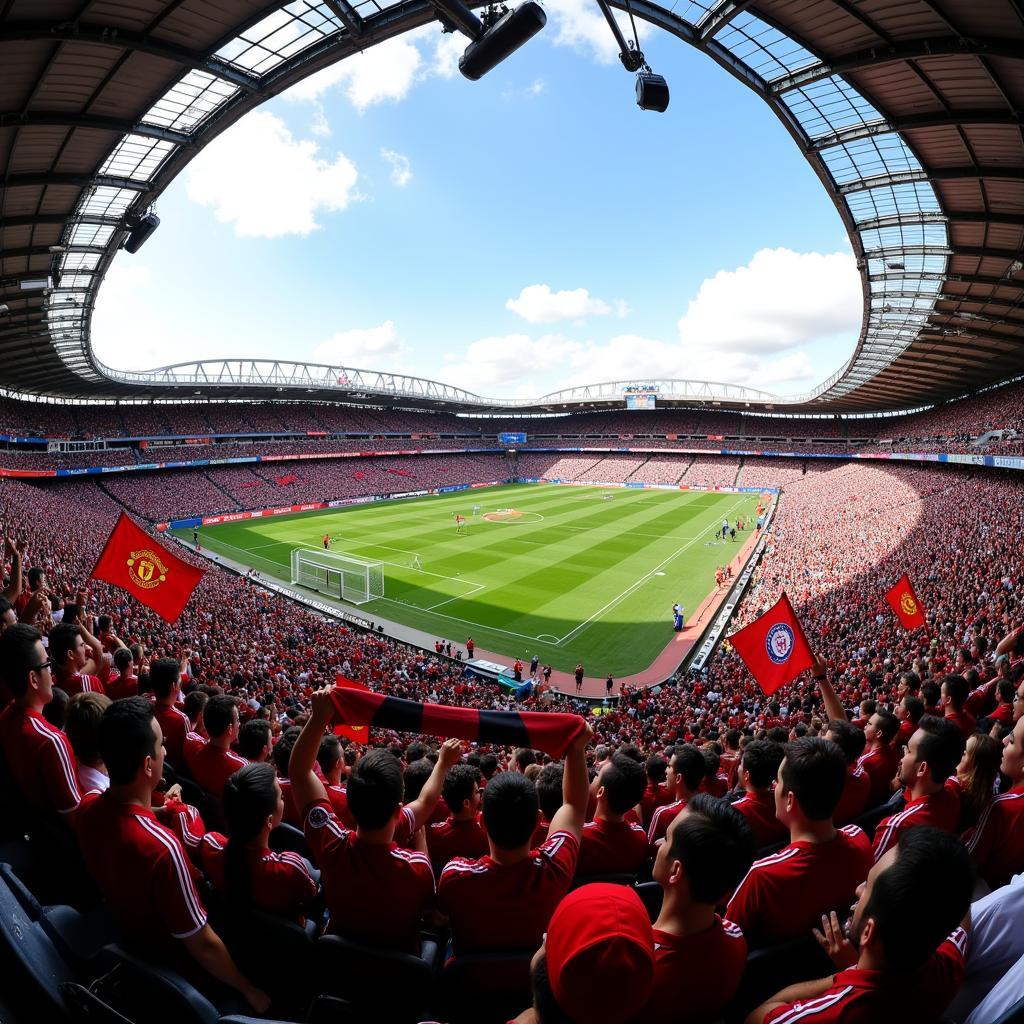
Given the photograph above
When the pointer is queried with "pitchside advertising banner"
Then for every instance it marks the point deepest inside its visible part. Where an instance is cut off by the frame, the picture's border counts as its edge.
(512, 438)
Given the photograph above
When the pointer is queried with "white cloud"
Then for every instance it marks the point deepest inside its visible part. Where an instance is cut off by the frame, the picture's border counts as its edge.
(320, 126)
(538, 304)
(380, 74)
(266, 183)
(129, 331)
(363, 348)
(531, 91)
(448, 48)
(580, 25)
(780, 299)
(401, 169)
(510, 363)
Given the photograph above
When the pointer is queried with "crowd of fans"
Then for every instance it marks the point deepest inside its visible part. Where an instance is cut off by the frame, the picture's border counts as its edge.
(889, 777)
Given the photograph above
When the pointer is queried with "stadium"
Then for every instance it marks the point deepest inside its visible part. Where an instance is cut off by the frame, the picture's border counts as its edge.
(557, 681)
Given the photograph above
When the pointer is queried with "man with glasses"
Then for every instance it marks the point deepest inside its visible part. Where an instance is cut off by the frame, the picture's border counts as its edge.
(39, 756)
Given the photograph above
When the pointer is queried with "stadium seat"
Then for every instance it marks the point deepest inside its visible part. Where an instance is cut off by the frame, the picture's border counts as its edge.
(288, 839)
(1014, 1015)
(257, 939)
(387, 986)
(152, 993)
(208, 806)
(21, 891)
(59, 874)
(650, 896)
(869, 820)
(773, 968)
(486, 988)
(33, 970)
(78, 936)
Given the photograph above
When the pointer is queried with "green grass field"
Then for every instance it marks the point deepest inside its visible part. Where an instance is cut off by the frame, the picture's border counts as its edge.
(578, 576)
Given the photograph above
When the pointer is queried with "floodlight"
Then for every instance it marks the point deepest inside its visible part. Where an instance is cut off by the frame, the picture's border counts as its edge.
(502, 39)
(651, 89)
(651, 92)
(139, 232)
(4, 309)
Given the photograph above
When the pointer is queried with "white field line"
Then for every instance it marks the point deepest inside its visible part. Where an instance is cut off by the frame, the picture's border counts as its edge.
(457, 597)
(643, 579)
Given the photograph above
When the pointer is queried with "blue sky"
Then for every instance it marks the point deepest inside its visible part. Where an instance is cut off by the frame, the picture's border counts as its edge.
(515, 235)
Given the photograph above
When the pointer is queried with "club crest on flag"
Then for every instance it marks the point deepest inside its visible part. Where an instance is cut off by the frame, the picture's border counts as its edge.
(146, 569)
(779, 643)
(908, 604)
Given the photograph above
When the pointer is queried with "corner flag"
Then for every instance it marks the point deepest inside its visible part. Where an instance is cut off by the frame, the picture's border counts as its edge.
(774, 647)
(905, 604)
(138, 564)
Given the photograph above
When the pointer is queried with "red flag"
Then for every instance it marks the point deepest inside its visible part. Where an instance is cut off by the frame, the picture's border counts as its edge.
(135, 562)
(905, 604)
(774, 647)
(359, 733)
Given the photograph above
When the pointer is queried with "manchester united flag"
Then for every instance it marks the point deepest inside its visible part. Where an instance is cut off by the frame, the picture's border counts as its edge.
(905, 604)
(774, 647)
(135, 562)
(359, 733)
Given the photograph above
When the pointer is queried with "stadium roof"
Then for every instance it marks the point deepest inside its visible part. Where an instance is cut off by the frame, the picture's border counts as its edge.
(908, 110)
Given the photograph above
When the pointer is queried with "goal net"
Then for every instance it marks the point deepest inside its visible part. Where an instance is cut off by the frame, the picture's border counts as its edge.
(356, 580)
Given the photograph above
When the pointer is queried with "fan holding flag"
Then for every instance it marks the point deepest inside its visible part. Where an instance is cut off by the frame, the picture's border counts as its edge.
(905, 604)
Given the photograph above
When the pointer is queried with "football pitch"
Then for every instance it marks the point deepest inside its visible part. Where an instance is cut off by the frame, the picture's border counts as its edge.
(570, 574)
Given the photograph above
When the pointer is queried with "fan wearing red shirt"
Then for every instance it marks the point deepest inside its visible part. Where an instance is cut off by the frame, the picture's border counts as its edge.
(909, 711)
(655, 794)
(462, 833)
(38, 756)
(280, 755)
(997, 843)
(139, 865)
(784, 895)
(212, 763)
(331, 761)
(243, 869)
(1003, 713)
(682, 780)
(716, 782)
(904, 960)
(549, 796)
(850, 741)
(164, 677)
(758, 769)
(505, 900)
(122, 682)
(881, 758)
(955, 691)
(932, 755)
(376, 891)
(77, 659)
(707, 850)
(610, 845)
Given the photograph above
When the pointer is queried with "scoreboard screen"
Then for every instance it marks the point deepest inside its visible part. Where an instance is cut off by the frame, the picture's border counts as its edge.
(512, 438)
(641, 402)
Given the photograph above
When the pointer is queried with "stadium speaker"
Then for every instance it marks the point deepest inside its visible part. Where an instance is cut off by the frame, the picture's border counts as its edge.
(141, 230)
(651, 92)
(503, 38)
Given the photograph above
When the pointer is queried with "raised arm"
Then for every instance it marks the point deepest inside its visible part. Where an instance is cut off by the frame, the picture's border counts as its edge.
(14, 588)
(833, 707)
(575, 788)
(306, 787)
(423, 806)
(97, 665)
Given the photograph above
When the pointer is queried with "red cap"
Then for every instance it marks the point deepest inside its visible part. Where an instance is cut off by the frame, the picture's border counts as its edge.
(600, 954)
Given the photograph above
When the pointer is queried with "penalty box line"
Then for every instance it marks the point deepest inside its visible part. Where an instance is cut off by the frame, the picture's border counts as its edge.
(643, 579)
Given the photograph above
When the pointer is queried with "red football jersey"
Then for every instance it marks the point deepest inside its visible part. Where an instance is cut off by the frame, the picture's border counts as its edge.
(376, 892)
(655, 796)
(76, 683)
(175, 725)
(451, 838)
(759, 810)
(611, 847)
(869, 997)
(855, 796)
(494, 906)
(40, 759)
(881, 766)
(141, 869)
(940, 810)
(997, 843)
(338, 796)
(662, 818)
(210, 766)
(963, 721)
(694, 975)
(279, 883)
(785, 894)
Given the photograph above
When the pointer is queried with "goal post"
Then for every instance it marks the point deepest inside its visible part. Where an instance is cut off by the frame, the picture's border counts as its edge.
(352, 579)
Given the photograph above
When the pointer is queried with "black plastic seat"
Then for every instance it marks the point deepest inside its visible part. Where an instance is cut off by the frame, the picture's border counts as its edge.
(486, 988)
(651, 896)
(288, 839)
(1014, 1015)
(21, 891)
(78, 936)
(361, 974)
